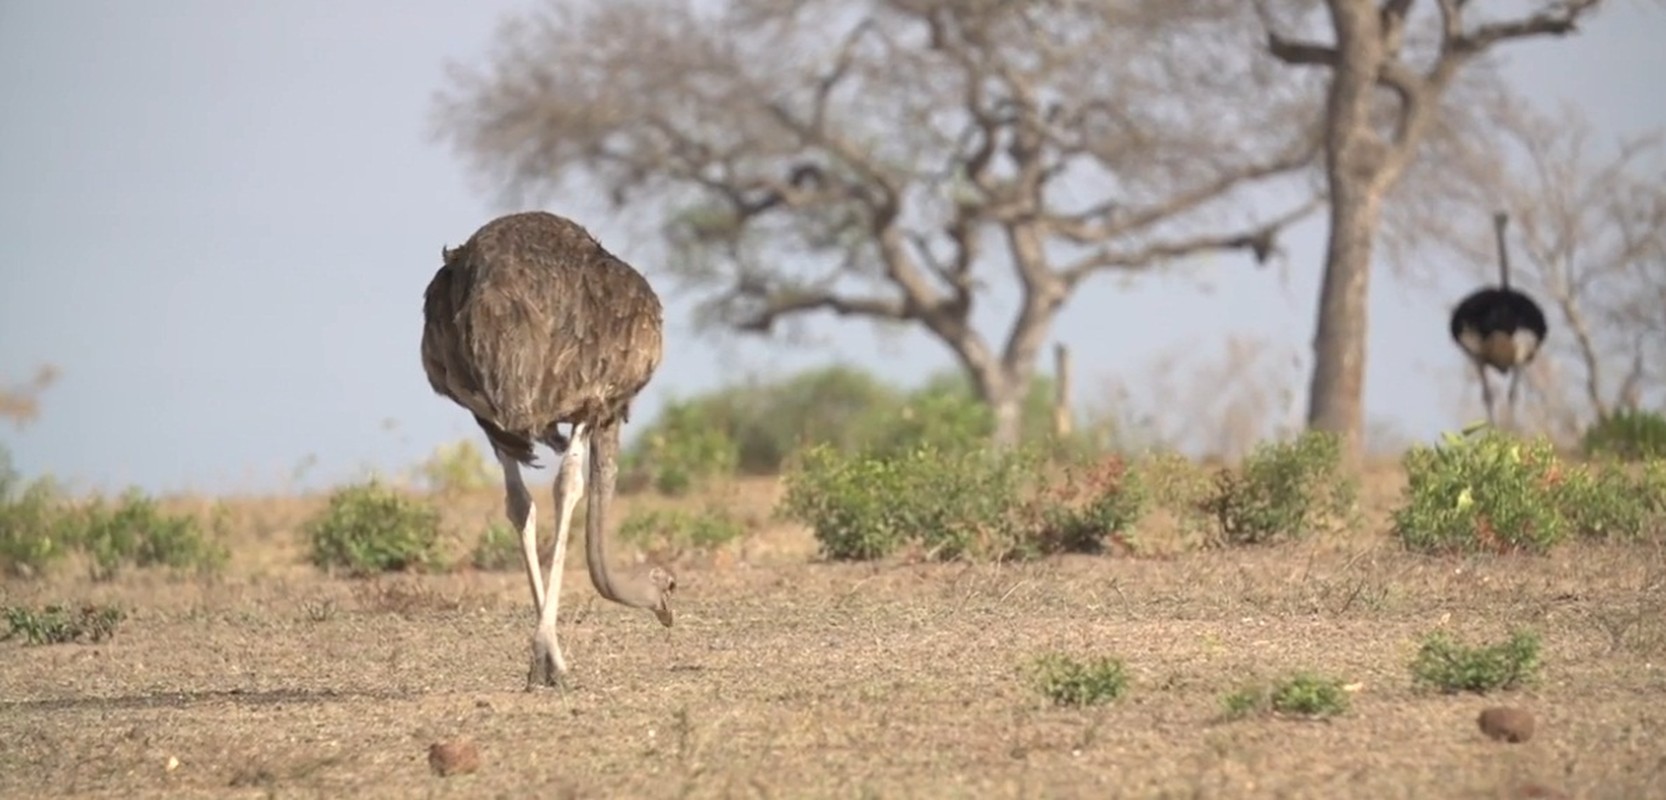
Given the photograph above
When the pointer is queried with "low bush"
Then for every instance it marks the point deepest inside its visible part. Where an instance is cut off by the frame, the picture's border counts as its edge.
(960, 503)
(59, 624)
(1450, 666)
(33, 533)
(455, 468)
(1487, 491)
(1301, 695)
(39, 526)
(863, 507)
(133, 531)
(1608, 500)
(1089, 501)
(1069, 681)
(1629, 434)
(680, 529)
(764, 423)
(370, 528)
(497, 550)
(682, 451)
(1282, 490)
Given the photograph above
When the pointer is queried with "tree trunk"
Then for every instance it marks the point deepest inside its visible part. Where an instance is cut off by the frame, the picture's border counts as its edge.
(1354, 156)
(1009, 419)
(1336, 398)
(1063, 425)
(1004, 395)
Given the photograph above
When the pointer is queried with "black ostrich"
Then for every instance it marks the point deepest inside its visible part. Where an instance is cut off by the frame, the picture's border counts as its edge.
(530, 324)
(1499, 327)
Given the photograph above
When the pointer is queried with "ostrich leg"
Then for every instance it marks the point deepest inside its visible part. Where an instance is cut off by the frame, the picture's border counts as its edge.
(523, 514)
(1486, 392)
(548, 667)
(1515, 387)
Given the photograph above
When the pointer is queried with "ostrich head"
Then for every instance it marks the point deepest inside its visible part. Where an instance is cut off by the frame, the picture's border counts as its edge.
(664, 584)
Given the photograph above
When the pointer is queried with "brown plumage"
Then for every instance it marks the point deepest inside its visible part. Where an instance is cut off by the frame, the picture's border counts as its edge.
(531, 324)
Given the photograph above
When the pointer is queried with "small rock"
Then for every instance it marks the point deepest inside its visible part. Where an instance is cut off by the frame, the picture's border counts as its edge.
(1506, 724)
(1539, 791)
(454, 757)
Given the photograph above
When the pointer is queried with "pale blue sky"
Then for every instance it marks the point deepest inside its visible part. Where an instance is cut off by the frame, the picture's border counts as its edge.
(218, 219)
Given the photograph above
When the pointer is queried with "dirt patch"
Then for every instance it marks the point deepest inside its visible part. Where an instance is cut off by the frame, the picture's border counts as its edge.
(786, 677)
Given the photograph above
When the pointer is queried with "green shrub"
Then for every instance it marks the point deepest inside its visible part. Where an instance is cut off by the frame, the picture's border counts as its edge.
(680, 529)
(768, 421)
(946, 415)
(1483, 492)
(954, 504)
(456, 467)
(842, 407)
(1310, 696)
(371, 528)
(1301, 695)
(1628, 434)
(1090, 500)
(1450, 666)
(57, 624)
(959, 503)
(1068, 681)
(133, 531)
(683, 450)
(38, 526)
(1282, 490)
(1245, 701)
(1488, 491)
(32, 529)
(841, 499)
(1610, 501)
(941, 416)
(834, 405)
(497, 550)
(1652, 485)
(969, 504)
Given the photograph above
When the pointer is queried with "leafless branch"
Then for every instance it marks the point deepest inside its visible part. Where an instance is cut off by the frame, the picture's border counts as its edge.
(1093, 226)
(774, 306)
(1261, 242)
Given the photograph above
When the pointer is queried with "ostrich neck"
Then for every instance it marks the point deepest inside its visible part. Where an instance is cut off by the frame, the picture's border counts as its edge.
(632, 590)
(1499, 224)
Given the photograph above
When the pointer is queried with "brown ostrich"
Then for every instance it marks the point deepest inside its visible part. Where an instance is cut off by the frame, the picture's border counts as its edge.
(531, 324)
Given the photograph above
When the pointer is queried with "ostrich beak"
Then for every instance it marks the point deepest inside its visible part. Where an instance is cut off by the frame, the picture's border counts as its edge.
(663, 612)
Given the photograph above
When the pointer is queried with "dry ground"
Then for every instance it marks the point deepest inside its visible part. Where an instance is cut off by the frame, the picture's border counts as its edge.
(790, 678)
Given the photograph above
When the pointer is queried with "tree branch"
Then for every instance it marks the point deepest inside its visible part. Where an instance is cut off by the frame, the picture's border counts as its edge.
(784, 303)
(1083, 228)
(1262, 242)
(1560, 20)
(1299, 53)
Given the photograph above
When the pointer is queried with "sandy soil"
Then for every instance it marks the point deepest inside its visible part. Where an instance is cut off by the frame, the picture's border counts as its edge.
(787, 677)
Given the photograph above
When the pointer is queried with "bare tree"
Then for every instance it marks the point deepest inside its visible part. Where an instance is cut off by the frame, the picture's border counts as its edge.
(1389, 73)
(903, 161)
(1591, 223)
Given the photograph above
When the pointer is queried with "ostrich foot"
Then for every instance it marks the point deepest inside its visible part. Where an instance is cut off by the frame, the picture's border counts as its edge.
(548, 668)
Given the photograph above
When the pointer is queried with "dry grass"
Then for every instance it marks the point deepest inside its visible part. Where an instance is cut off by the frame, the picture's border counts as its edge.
(786, 677)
